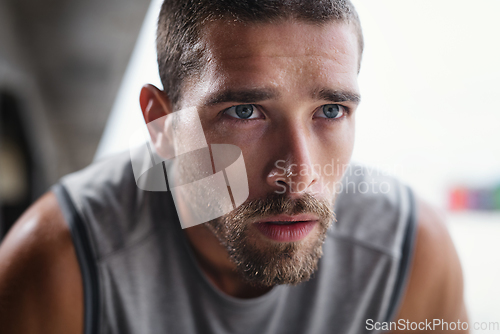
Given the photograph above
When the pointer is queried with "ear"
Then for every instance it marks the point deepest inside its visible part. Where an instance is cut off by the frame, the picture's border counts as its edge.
(155, 105)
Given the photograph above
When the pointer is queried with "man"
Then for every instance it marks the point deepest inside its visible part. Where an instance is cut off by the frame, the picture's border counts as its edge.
(278, 79)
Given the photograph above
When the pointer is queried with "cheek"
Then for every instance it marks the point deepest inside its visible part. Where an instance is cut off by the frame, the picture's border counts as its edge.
(334, 150)
(250, 140)
(337, 140)
(259, 158)
(345, 143)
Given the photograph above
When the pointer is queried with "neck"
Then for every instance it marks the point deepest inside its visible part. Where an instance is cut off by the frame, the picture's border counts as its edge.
(215, 263)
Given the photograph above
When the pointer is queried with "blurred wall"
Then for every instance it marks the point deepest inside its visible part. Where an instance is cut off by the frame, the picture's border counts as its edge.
(61, 63)
(76, 52)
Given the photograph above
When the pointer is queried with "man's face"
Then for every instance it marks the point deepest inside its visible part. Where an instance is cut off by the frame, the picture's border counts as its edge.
(285, 94)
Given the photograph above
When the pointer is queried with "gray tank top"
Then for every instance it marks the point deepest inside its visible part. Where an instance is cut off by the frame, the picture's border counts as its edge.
(140, 275)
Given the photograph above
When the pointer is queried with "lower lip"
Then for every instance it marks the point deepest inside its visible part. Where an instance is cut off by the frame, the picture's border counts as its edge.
(286, 232)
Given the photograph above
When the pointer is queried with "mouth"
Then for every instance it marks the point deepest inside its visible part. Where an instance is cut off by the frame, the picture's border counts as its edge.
(285, 228)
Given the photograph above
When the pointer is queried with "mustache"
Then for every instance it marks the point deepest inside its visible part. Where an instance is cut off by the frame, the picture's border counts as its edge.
(275, 204)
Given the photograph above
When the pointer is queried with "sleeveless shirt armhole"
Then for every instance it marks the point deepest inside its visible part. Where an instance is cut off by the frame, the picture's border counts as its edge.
(85, 257)
(406, 260)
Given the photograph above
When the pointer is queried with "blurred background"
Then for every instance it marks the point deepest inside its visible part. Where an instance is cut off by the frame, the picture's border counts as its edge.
(71, 72)
(430, 80)
(61, 64)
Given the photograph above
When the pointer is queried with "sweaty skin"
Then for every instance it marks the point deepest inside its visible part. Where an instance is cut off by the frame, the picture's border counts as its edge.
(288, 71)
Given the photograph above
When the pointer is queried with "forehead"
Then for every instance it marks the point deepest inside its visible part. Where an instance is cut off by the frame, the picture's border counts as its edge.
(286, 56)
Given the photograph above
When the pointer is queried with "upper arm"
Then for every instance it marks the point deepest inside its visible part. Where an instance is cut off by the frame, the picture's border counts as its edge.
(435, 287)
(40, 282)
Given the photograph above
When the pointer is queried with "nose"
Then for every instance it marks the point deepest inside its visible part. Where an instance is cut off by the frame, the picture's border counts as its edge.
(293, 170)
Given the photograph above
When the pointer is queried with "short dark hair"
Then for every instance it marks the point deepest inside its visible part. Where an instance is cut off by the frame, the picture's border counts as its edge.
(180, 22)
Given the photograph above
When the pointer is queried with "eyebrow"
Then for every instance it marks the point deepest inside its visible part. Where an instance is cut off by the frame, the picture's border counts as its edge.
(242, 96)
(262, 94)
(337, 95)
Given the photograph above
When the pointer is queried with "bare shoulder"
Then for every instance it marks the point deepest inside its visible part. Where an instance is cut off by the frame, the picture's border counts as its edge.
(435, 287)
(40, 282)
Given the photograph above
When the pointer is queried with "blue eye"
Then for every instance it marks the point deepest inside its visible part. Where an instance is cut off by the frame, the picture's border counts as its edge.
(331, 111)
(243, 111)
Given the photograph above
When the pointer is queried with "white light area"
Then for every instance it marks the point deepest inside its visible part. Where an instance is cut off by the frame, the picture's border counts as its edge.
(429, 82)
(476, 237)
(126, 116)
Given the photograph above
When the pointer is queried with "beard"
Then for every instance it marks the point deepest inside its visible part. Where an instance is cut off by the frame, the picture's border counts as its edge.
(271, 263)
